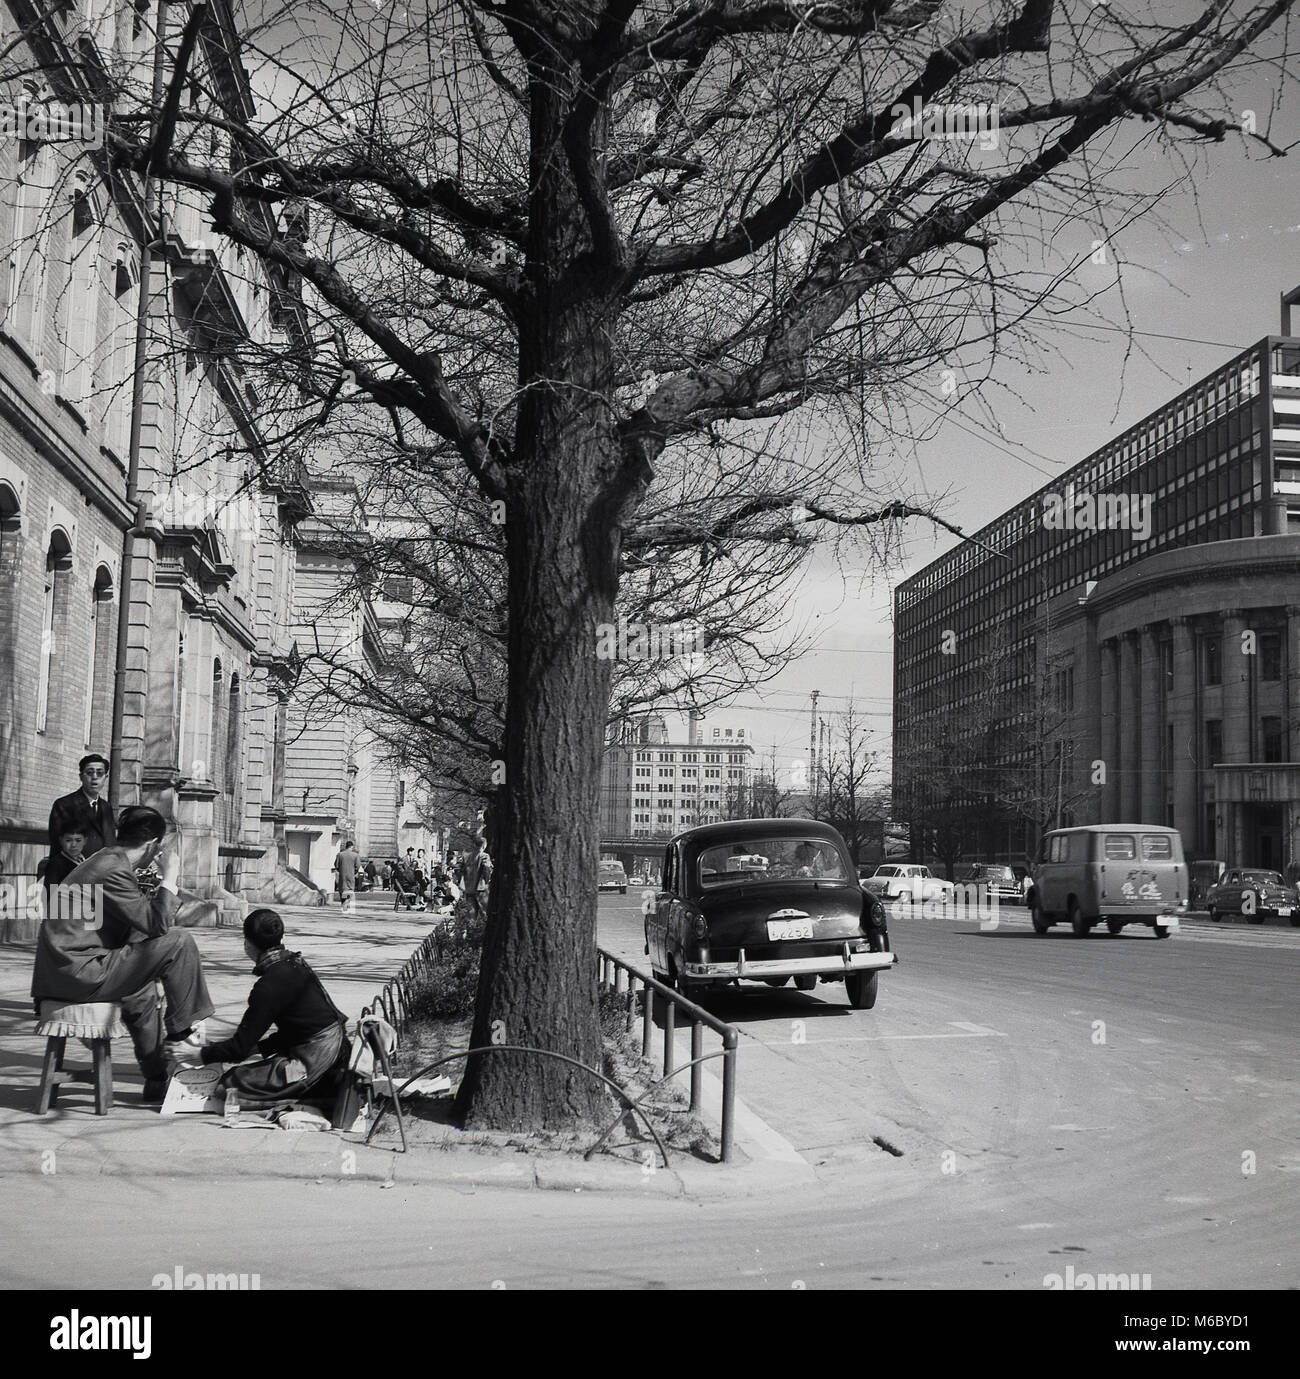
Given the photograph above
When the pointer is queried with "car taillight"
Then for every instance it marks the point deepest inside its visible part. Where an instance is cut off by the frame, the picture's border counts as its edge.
(699, 927)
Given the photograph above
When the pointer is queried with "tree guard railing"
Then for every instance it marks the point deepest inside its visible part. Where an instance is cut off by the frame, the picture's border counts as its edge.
(620, 977)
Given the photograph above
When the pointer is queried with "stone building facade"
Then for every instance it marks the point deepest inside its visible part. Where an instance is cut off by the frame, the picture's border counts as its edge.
(191, 703)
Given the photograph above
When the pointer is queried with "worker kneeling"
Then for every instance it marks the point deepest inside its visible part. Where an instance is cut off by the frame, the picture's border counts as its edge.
(309, 1040)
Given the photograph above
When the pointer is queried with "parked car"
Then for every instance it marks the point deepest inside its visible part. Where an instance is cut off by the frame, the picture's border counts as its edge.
(1113, 873)
(998, 881)
(907, 882)
(1254, 894)
(719, 918)
(611, 876)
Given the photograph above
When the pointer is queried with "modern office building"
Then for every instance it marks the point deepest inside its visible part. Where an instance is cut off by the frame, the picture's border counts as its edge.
(1150, 598)
(654, 788)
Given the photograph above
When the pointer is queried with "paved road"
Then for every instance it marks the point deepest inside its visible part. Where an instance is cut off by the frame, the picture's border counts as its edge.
(1136, 1098)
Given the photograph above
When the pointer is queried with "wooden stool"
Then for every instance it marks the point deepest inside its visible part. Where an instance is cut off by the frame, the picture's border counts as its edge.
(96, 1024)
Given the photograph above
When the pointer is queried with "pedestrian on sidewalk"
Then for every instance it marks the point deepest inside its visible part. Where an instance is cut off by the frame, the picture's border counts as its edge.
(310, 1038)
(345, 865)
(476, 872)
(85, 809)
(128, 947)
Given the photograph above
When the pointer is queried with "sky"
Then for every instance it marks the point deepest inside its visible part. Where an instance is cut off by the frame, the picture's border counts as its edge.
(1196, 294)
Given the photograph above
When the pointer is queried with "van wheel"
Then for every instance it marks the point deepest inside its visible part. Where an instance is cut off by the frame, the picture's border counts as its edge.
(1162, 931)
(1077, 922)
(1038, 919)
(1214, 915)
(1115, 927)
(775, 981)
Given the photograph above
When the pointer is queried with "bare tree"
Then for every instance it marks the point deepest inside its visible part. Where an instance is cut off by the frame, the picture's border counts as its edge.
(582, 249)
(846, 801)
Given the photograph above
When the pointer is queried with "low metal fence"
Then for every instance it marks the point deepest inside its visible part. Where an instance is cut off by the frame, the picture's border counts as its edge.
(620, 977)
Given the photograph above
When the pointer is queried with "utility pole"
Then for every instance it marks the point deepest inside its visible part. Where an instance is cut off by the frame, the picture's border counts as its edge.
(812, 751)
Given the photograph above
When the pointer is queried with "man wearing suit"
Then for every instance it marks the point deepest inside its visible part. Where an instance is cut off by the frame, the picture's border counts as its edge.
(85, 811)
(126, 946)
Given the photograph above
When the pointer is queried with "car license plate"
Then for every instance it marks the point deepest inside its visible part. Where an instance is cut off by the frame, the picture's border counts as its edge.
(1284, 909)
(778, 929)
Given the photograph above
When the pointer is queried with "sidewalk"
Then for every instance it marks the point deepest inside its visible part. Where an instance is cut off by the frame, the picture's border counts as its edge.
(354, 956)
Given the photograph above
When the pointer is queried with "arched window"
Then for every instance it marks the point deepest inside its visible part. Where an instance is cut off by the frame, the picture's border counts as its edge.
(99, 695)
(54, 612)
(11, 547)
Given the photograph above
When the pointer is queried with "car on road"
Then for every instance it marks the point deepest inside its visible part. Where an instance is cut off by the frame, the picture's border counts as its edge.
(611, 876)
(1255, 895)
(909, 883)
(719, 918)
(996, 880)
(1115, 874)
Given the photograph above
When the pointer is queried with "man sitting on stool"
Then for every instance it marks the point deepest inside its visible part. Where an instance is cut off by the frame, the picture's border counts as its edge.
(309, 1041)
(117, 945)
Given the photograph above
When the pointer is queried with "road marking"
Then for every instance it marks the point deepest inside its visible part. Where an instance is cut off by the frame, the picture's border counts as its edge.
(975, 1029)
(975, 1032)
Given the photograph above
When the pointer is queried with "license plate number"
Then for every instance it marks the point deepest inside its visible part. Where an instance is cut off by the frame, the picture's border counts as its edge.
(778, 929)
(1284, 909)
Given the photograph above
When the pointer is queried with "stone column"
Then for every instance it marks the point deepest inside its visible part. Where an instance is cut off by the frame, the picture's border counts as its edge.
(1293, 682)
(1152, 791)
(1186, 726)
(1109, 729)
(1130, 763)
(1236, 688)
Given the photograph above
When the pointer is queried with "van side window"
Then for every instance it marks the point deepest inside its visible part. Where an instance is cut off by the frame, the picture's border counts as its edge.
(1157, 847)
(1120, 848)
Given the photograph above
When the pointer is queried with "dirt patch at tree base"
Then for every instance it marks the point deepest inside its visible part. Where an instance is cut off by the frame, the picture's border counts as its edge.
(430, 1119)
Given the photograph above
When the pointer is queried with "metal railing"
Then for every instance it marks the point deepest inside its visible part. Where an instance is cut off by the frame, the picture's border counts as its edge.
(621, 978)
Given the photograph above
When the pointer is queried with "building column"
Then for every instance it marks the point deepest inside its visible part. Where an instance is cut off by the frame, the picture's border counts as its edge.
(1293, 682)
(1186, 725)
(1108, 730)
(1130, 764)
(1152, 791)
(1236, 688)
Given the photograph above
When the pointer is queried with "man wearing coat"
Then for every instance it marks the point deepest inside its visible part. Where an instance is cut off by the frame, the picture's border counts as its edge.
(85, 811)
(120, 944)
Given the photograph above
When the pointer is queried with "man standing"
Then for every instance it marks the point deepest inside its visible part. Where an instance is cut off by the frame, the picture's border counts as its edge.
(85, 811)
(345, 864)
(118, 947)
(477, 873)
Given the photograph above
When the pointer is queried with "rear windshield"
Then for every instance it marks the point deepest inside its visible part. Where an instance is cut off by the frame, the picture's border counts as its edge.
(1157, 847)
(770, 859)
(1120, 847)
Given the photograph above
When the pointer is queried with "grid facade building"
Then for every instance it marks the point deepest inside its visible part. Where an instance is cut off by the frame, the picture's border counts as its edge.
(1150, 593)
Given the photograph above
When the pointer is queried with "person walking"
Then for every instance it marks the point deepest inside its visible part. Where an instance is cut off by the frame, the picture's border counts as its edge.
(345, 866)
(131, 945)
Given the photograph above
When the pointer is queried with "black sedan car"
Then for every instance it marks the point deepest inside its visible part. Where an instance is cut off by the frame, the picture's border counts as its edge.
(1254, 895)
(765, 900)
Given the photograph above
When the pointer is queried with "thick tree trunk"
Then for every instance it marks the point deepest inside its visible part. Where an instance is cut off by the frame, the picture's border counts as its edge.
(538, 980)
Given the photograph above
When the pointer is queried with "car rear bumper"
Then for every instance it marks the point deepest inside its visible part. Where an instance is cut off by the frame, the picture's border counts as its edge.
(831, 964)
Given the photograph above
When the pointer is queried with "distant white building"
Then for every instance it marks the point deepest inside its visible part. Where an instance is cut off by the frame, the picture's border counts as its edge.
(654, 788)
